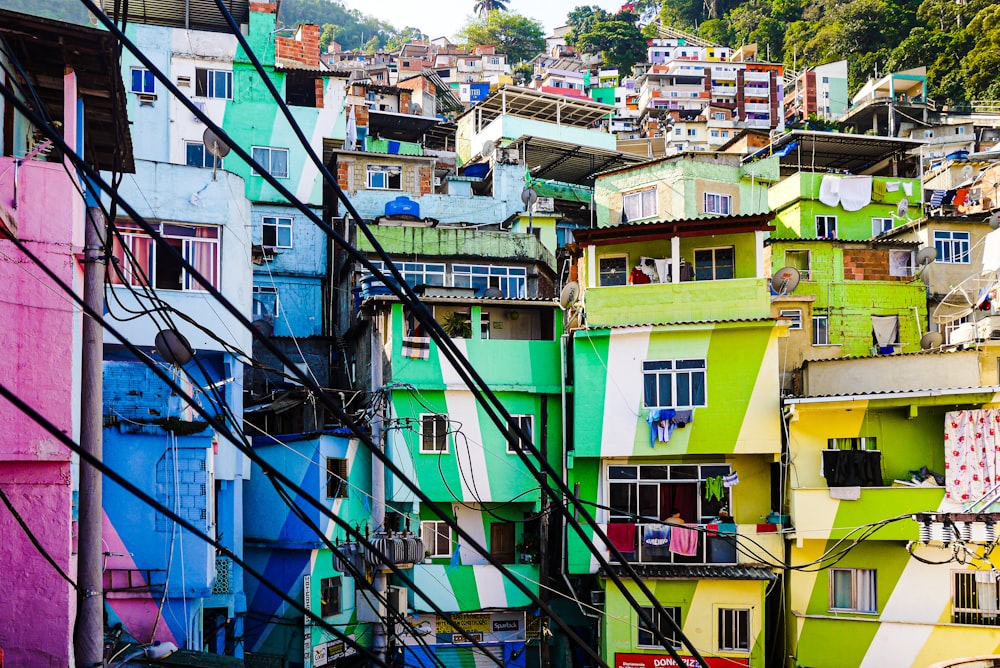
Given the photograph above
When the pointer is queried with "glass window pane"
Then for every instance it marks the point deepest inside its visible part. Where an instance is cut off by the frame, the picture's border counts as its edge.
(697, 389)
(195, 155)
(666, 397)
(279, 163)
(649, 389)
(683, 389)
(841, 596)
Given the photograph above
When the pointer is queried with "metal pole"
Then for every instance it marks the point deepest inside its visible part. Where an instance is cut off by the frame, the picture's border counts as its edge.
(380, 635)
(88, 635)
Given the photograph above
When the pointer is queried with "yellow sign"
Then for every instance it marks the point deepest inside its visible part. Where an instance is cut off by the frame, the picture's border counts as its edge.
(469, 622)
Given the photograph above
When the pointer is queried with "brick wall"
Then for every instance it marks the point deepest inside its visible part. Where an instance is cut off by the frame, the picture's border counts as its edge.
(862, 264)
(303, 48)
(425, 180)
(182, 486)
(263, 8)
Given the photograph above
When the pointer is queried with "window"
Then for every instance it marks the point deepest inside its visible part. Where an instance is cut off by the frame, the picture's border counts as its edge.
(674, 383)
(526, 424)
(502, 541)
(712, 264)
(385, 177)
(826, 227)
(928, 134)
(716, 203)
(141, 262)
(975, 598)
(612, 270)
(719, 115)
(960, 130)
(692, 132)
(901, 263)
(433, 433)
(265, 303)
(853, 443)
(417, 273)
(881, 226)
(273, 160)
(197, 156)
(336, 478)
(213, 83)
(713, 133)
(142, 81)
(639, 205)
(436, 537)
(677, 131)
(794, 315)
(277, 231)
(646, 637)
(821, 330)
(330, 596)
(734, 630)
(853, 589)
(511, 281)
(952, 247)
(798, 259)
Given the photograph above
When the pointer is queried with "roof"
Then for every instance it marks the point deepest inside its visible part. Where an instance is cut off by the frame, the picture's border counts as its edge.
(527, 103)
(189, 14)
(45, 47)
(893, 394)
(686, 572)
(885, 239)
(820, 151)
(569, 162)
(399, 127)
(686, 227)
(717, 321)
(499, 301)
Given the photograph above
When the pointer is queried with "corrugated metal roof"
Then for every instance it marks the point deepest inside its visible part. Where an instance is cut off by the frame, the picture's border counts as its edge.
(189, 14)
(684, 227)
(700, 572)
(875, 241)
(530, 103)
(683, 322)
(505, 301)
(890, 394)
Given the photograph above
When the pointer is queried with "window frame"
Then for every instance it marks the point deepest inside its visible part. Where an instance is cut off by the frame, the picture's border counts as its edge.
(722, 204)
(188, 245)
(270, 151)
(787, 314)
(207, 159)
(279, 223)
(644, 635)
(527, 423)
(675, 373)
(855, 596)
(336, 470)
(334, 583)
(641, 197)
(387, 172)
(511, 281)
(601, 273)
(208, 87)
(438, 419)
(816, 318)
(714, 263)
(826, 219)
(259, 313)
(147, 79)
(962, 256)
(739, 619)
(880, 222)
(435, 526)
(970, 590)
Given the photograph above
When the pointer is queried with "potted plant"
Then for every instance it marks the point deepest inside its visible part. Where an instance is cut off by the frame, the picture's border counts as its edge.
(427, 556)
(457, 325)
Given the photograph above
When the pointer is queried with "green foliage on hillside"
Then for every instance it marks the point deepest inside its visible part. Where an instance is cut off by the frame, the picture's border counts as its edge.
(349, 27)
(958, 42)
(519, 37)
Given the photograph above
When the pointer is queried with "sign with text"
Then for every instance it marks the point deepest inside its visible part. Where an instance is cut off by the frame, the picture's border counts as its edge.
(626, 660)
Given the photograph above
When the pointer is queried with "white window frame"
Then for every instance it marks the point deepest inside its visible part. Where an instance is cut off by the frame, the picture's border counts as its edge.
(953, 246)
(675, 369)
(385, 173)
(859, 578)
(792, 314)
(625, 272)
(146, 76)
(825, 319)
(207, 159)
(881, 225)
(645, 636)
(645, 199)
(733, 630)
(718, 203)
(428, 441)
(964, 585)
(826, 220)
(526, 422)
(132, 236)
(511, 281)
(264, 156)
(804, 272)
(210, 83)
(279, 223)
(439, 531)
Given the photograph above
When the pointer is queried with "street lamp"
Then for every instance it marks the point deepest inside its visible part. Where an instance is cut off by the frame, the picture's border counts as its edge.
(155, 652)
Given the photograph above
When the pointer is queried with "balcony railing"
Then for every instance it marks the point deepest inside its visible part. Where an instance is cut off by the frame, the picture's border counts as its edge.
(661, 544)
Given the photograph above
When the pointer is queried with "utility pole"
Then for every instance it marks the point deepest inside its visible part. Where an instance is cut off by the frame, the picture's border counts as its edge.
(380, 630)
(88, 635)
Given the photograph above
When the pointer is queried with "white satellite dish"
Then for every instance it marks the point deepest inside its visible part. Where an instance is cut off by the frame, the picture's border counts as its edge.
(570, 293)
(489, 147)
(903, 208)
(216, 147)
(994, 220)
(785, 280)
(931, 340)
(926, 255)
(529, 197)
(967, 172)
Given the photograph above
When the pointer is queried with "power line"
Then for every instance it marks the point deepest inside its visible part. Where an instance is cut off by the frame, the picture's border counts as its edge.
(34, 540)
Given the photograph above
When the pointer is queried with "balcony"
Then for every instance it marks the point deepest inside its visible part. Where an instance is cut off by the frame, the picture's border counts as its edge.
(651, 544)
(738, 298)
(812, 509)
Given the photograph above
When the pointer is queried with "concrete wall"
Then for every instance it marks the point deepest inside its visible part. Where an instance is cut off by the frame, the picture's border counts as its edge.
(954, 369)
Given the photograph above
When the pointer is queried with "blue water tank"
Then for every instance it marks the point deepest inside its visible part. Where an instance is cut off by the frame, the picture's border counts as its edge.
(476, 170)
(402, 206)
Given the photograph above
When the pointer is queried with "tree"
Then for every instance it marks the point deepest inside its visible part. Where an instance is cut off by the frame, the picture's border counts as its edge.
(619, 41)
(517, 36)
(982, 63)
(582, 18)
(486, 6)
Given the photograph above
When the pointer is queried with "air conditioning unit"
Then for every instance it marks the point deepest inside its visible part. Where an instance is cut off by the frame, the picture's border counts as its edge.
(398, 599)
(597, 597)
(544, 205)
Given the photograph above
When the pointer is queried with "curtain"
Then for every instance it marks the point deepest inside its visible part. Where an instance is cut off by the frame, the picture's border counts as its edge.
(202, 256)
(682, 497)
(971, 453)
(140, 269)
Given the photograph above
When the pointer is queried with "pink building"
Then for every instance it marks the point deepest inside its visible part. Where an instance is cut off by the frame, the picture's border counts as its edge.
(40, 340)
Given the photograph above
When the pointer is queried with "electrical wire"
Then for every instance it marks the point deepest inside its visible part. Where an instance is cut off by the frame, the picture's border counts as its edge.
(34, 540)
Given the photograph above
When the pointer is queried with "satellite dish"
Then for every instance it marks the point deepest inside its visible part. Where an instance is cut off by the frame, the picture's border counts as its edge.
(903, 208)
(967, 172)
(570, 293)
(416, 109)
(493, 293)
(994, 220)
(529, 196)
(173, 347)
(488, 148)
(926, 255)
(214, 145)
(931, 340)
(785, 280)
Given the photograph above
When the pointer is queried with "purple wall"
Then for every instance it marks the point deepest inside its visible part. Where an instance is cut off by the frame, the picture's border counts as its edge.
(40, 343)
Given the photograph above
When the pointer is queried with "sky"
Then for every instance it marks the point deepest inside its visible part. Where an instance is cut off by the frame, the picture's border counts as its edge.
(439, 18)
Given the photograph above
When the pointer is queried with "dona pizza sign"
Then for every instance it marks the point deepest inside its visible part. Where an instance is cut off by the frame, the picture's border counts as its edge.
(625, 660)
